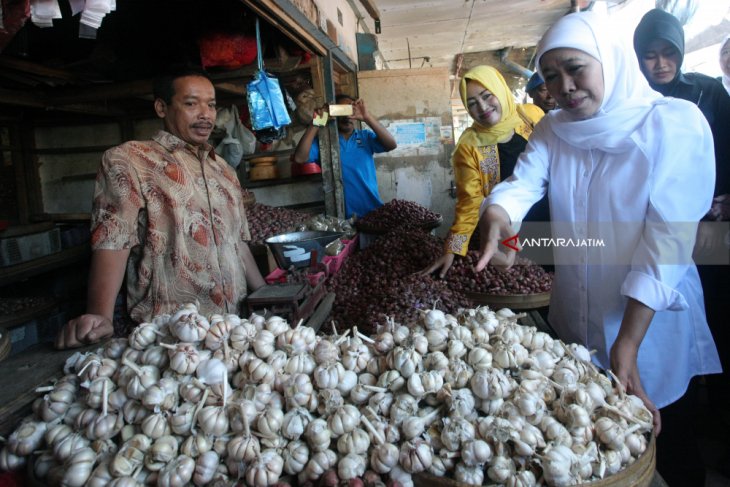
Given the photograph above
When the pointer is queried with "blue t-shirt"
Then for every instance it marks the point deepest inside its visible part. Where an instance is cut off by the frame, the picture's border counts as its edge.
(358, 171)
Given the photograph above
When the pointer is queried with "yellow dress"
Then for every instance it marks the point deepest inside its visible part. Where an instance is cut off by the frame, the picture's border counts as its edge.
(476, 172)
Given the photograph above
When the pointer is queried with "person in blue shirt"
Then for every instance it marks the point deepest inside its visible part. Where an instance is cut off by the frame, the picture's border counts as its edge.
(357, 147)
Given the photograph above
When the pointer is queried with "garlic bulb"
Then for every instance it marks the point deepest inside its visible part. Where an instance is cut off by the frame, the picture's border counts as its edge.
(205, 468)
(557, 465)
(343, 420)
(242, 336)
(184, 357)
(269, 423)
(415, 455)
(475, 453)
(26, 438)
(188, 326)
(213, 420)
(423, 383)
(143, 335)
(196, 445)
(263, 344)
(318, 435)
(294, 423)
(295, 456)
(100, 476)
(455, 432)
(301, 363)
(265, 470)
(177, 473)
(155, 425)
(9, 462)
(69, 445)
(351, 466)
(355, 442)
(77, 468)
(245, 447)
(220, 331)
(414, 426)
(156, 356)
(469, 474)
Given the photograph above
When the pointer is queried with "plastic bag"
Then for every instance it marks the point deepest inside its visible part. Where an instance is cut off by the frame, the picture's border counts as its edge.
(238, 140)
(266, 102)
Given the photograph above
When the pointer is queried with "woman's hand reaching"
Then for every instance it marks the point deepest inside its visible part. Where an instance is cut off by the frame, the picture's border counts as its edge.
(494, 227)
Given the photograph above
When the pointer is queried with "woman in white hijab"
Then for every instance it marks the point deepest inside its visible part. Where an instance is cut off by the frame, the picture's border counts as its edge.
(624, 166)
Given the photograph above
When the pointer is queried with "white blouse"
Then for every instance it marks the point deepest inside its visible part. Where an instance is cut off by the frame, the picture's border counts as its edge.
(644, 202)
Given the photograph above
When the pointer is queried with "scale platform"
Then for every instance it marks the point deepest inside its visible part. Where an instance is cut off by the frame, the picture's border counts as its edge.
(292, 301)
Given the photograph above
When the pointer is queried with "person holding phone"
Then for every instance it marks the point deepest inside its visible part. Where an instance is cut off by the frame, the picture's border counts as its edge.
(357, 147)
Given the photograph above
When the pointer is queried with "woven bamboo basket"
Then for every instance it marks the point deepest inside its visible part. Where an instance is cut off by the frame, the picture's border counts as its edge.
(638, 474)
(511, 301)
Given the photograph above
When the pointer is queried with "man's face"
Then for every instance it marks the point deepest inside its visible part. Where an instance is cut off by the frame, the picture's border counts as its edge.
(191, 113)
(345, 125)
(660, 62)
(542, 98)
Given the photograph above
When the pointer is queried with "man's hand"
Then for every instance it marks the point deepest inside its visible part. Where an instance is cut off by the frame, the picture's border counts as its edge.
(84, 330)
(443, 264)
(359, 111)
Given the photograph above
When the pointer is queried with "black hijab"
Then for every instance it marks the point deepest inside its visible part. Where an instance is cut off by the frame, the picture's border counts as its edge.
(658, 24)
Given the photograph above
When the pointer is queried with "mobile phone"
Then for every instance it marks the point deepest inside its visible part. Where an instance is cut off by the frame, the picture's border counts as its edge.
(340, 110)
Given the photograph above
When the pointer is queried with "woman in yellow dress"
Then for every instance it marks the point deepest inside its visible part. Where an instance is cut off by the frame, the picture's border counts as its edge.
(486, 154)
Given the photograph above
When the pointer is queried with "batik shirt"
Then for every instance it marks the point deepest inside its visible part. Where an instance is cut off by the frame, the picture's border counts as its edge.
(178, 209)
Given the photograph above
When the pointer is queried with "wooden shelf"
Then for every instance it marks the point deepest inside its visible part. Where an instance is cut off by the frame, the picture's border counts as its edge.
(22, 374)
(276, 153)
(11, 274)
(9, 321)
(279, 181)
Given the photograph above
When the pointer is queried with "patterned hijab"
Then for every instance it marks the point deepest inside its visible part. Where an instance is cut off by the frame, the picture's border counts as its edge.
(479, 135)
(627, 97)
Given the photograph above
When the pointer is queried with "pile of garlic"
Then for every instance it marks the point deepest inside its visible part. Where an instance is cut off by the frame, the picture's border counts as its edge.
(187, 399)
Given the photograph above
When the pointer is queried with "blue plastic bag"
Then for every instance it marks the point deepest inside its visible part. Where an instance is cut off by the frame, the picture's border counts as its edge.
(266, 102)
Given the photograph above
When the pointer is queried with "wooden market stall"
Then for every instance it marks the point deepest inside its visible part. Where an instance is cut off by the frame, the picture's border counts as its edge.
(65, 99)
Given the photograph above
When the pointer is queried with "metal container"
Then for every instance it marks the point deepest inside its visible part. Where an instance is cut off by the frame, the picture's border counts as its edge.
(296, 248)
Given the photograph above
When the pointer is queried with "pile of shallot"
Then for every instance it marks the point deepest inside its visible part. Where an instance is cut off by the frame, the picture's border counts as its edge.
(525, 277)
(265, 221)
(398, 215)
(382, 282)
(188, 399)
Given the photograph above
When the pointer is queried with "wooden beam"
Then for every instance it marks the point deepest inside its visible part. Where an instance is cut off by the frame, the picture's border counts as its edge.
(20, 98)
(8, 62)
(371, 8)
(231, 88)
(268, 10)
(129, 89)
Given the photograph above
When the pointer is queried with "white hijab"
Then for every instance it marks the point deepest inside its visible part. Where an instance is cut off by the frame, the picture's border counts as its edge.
(627, 97)
(725, 78)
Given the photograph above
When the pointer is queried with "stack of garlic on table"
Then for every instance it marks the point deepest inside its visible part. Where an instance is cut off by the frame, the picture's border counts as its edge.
(220, 399)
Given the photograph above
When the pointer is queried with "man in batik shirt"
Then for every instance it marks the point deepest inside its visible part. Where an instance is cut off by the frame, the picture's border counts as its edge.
(168, 213)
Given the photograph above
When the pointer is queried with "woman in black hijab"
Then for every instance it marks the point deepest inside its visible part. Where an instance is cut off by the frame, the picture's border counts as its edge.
(659, 45)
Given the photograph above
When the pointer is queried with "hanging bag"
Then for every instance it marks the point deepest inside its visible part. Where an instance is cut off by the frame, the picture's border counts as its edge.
(269, 115)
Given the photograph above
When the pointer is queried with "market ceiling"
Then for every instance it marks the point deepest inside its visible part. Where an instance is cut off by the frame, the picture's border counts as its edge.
(422, 33)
